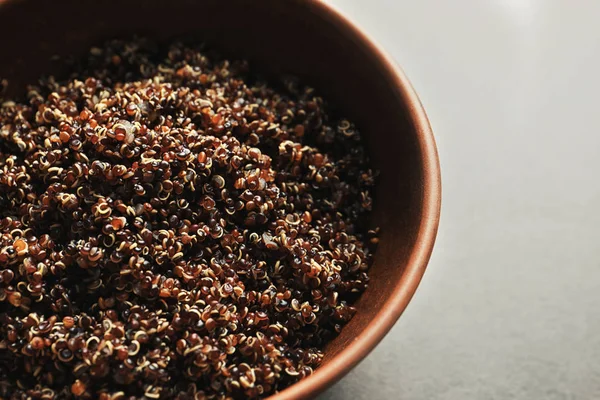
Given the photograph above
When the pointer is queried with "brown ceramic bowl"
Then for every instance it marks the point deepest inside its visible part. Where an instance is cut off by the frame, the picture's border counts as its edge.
(310, 39)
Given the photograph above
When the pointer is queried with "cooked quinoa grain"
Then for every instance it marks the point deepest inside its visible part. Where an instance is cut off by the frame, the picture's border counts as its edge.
(171, 227)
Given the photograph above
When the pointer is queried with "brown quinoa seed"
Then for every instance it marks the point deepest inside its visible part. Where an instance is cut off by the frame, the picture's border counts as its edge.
(68, 322)
(78, 388)
(169, 230)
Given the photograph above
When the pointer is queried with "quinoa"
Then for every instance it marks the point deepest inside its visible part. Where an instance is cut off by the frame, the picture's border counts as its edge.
(173, 227)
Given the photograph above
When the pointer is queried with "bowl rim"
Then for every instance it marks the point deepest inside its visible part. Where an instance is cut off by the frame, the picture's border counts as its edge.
(392, 309)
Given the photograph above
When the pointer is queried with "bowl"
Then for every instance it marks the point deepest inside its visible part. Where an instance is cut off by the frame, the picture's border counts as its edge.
(314, 41)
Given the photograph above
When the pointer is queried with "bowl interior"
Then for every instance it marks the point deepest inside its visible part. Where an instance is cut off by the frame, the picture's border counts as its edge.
(291, 36)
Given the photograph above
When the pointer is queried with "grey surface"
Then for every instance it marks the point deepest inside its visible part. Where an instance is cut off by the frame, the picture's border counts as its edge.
(509, 306)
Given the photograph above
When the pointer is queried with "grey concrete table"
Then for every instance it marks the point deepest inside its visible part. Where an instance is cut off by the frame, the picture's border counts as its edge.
(509, 306)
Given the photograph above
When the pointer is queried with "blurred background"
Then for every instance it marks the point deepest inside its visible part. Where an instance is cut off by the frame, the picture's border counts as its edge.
(509, 305)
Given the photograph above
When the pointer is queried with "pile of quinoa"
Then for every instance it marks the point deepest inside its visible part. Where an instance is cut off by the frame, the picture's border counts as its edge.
(173, 227)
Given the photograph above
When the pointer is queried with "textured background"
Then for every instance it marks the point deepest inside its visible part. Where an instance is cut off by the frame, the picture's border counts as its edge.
(509, 306)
